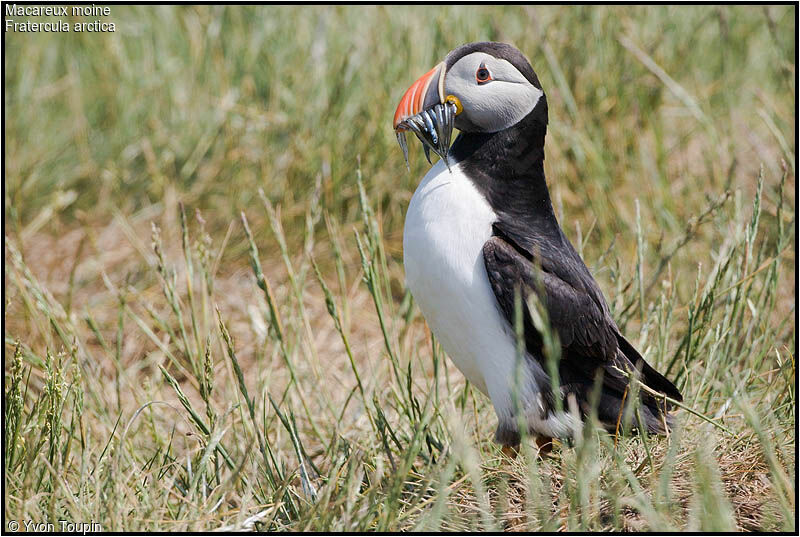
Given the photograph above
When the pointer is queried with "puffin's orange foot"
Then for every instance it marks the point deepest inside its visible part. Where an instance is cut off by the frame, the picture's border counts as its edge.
(510, 451)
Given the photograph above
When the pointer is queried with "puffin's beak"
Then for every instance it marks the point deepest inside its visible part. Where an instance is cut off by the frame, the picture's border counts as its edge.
(423, 94)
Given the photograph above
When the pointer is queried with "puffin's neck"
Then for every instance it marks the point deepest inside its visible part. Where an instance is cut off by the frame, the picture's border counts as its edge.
(508, 168)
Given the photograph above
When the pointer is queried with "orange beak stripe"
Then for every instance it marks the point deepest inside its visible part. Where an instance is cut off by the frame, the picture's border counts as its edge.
(414, 97)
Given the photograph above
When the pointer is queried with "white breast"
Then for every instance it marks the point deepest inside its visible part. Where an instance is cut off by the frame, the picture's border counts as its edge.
(447, 224)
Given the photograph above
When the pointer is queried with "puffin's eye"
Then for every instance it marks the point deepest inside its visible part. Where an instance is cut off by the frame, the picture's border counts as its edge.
(482, 75)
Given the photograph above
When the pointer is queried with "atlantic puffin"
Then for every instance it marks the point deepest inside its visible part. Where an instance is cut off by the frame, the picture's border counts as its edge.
(480, 227)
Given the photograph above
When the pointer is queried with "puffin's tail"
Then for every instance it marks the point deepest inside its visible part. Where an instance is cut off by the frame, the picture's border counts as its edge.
(652, 378)
(615, 396)
(655, 411)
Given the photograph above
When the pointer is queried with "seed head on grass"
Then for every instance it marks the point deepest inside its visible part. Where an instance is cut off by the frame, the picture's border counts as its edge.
(14, 408)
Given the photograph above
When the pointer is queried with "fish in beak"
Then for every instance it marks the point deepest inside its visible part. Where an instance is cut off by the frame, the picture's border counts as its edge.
(426, 112)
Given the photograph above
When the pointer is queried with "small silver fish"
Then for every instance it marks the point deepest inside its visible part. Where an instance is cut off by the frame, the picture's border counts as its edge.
(433, 127)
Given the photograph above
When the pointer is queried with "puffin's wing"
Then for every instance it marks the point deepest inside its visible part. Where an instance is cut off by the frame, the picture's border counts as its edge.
(589, 337)
(580, 322)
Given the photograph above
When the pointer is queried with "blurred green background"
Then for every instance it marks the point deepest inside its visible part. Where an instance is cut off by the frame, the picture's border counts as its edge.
(216, 101)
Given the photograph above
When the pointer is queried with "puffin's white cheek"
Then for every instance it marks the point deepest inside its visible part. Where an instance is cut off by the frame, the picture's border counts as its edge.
(502, 105)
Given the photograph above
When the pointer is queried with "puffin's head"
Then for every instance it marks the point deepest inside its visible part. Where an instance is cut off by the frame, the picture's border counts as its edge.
(490, 87)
